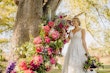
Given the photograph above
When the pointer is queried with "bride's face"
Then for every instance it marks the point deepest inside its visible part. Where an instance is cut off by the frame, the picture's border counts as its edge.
(75, 22)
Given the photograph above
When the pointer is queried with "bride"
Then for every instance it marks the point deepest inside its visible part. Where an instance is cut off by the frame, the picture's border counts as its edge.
(75, 56)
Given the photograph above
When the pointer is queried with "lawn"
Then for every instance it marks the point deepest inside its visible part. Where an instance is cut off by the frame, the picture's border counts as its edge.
(105, 70)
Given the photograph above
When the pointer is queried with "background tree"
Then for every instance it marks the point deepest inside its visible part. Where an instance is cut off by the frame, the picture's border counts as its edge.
(28, 18)
(95, 19)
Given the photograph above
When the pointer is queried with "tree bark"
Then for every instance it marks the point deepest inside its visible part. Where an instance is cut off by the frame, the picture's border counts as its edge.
(29, 18)
(53, 4)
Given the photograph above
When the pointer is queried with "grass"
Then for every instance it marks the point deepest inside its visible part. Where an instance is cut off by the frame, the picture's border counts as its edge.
(105, 70)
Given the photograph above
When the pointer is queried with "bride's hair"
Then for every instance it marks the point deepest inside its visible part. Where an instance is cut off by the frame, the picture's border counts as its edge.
(79, 23)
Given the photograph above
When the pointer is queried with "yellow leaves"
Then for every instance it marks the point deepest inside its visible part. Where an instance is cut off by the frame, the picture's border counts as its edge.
(7, 14)
(3, 40)
(106, 12)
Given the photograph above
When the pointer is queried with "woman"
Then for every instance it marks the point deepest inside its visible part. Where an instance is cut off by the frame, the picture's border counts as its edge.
(75, 56)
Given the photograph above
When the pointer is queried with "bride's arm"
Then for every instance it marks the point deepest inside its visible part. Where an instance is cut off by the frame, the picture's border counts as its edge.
(84, 42)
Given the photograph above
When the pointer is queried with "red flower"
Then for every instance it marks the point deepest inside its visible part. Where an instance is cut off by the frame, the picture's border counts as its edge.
(65, 41)
(37, 40)
(39, 49)
(33, 66)
(60, 25)
(60, 16)
(23, 65)
(28, 71)
(51, 23)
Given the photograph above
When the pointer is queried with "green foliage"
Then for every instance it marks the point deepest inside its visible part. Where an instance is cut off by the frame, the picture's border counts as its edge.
(92, 62)
(26, 50)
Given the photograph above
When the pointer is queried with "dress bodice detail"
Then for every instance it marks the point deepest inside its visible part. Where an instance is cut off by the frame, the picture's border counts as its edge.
(76, 35)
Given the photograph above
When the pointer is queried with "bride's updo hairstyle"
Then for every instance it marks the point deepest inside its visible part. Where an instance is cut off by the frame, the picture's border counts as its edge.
(77, 19)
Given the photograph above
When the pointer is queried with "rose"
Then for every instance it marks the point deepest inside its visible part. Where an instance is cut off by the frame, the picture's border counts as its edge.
(37, 40)
(46, 28)
(23, 65)
(55, 35)
(38, 59)
(33, 66)
(39, 49)
(52, 61)
(47, 39)
(28, 71)
(49, 51)
(51, 23)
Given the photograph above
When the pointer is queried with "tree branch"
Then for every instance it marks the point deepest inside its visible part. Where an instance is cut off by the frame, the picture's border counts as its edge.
(53, 4)
(16, 2)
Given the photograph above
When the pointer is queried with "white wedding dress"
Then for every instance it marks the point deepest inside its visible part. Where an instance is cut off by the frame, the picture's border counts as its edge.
(75, 56)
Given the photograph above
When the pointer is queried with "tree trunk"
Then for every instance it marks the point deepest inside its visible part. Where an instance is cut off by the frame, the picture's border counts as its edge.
(29, 18)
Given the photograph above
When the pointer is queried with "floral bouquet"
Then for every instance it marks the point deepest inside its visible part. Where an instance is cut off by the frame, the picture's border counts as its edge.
(92, 63)
(42, 51)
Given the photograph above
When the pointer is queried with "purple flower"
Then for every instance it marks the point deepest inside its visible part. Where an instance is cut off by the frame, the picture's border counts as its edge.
(11, 67)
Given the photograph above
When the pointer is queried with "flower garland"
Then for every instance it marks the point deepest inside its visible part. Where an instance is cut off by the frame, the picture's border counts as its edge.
(47, 47)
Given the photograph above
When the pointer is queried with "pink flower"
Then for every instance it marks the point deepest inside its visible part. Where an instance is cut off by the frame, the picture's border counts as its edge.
(28, 71)
(39, 49)
(46, 28)
(23, 65)
(55, 35)
(47, 39)
(52, 61)
(51, 23)
(37, 40)
(56, 52)
(49, 51)
(38, 59)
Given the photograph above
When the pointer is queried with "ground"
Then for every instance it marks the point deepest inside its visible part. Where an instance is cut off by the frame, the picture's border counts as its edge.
(105, 60)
